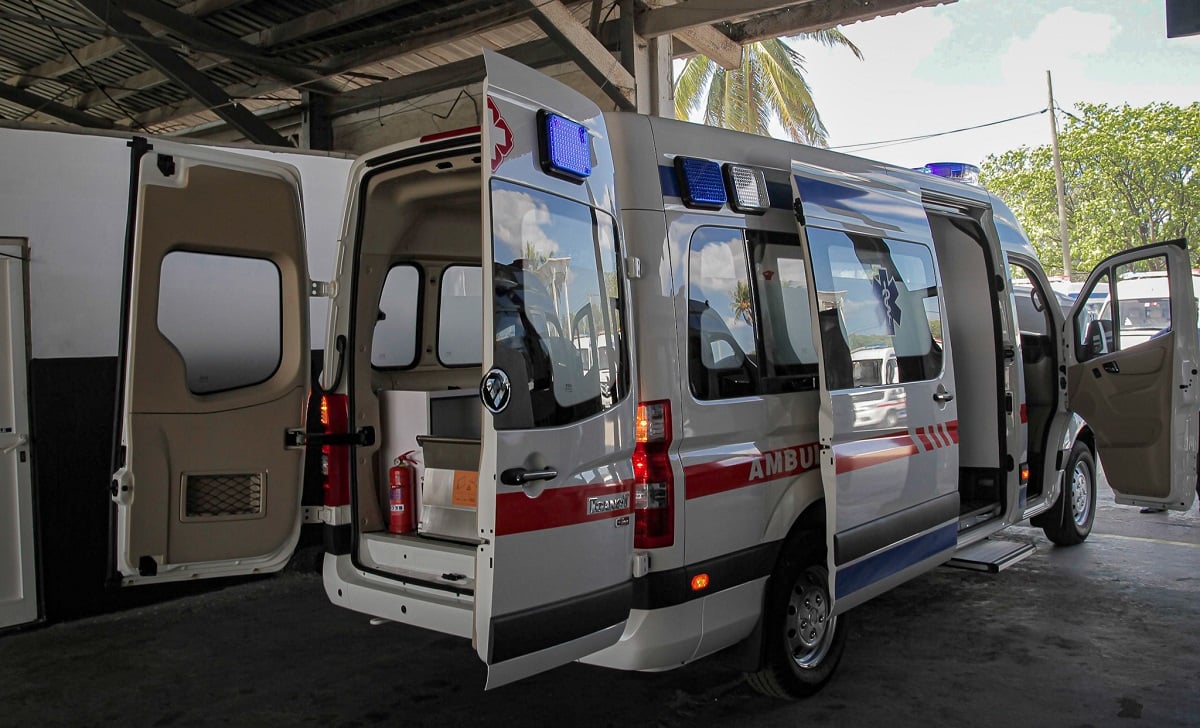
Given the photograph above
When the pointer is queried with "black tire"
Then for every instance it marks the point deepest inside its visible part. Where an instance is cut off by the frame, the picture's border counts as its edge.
(796, 665)
(1070, 519)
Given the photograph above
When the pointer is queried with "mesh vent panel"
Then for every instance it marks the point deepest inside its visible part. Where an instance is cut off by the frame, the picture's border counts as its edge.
(211, 496)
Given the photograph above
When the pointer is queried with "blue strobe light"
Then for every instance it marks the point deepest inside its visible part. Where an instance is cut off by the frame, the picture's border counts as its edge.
(566, 147)
(700, 183)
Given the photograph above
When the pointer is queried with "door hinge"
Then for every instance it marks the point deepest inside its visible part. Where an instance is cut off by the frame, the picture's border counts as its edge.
(312, 514)
(633, 267)
(641, 564)
(798, 208)
(322, 289)
(365, 437)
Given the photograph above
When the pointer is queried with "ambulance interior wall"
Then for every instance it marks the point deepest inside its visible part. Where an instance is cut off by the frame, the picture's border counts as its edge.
(67, 194)
(431, 218)
(969, 313)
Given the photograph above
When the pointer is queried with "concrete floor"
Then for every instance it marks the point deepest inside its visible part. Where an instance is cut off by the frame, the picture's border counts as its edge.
(1097, 635)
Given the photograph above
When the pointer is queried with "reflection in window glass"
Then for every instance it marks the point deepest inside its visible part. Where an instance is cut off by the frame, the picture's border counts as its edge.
(394, 343)
(722, 357)
(789, 360)
(558, 308)
(223, 314)
(460, 325)
(875, 294)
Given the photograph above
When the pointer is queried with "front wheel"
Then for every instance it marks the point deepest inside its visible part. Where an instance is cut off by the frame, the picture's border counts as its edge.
(804, 643)
(1076, 507)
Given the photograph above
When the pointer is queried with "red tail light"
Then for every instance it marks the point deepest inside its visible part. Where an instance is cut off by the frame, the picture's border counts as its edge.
(653, 481)
(335, 459)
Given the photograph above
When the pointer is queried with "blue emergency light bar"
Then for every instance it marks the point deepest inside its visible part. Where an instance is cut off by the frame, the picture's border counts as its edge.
(700, 183)
(566, 148)
(952, 170)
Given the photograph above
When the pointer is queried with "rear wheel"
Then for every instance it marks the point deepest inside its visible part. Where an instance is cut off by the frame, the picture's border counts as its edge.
(1076, 507)
(803, 642)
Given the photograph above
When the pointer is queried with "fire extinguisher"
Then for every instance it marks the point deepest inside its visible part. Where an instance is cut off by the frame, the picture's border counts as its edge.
(402, 515)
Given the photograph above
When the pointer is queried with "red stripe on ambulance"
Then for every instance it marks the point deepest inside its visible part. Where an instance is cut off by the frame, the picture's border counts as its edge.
(557, 507)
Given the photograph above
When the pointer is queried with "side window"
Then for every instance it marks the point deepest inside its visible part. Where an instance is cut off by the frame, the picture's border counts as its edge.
(223, 314)
(1137, 309)
(789, 362)
(558, 308)
(722, 356)
(460, 325)
(1032, 316)
(394, 345)
(875, 294)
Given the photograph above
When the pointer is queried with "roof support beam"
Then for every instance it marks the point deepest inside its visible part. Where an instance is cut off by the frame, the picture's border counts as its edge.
(690, 14)
(588, 53)
(814, 16)
(52, 108)
(105, 47)
(320, 21)
(714, 44)
(185, 75)
(210, 38)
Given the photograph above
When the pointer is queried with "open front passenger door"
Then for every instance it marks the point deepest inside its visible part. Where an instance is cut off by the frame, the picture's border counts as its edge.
(554, 572)
(1132, 373)
(215, 364)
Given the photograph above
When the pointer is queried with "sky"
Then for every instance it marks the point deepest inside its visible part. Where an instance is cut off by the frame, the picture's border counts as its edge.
(978, 61)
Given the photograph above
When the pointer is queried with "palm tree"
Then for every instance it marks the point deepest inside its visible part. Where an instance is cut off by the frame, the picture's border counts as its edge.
(769, 85)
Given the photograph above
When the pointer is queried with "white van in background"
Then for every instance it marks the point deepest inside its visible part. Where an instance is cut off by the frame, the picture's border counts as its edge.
(656, 449)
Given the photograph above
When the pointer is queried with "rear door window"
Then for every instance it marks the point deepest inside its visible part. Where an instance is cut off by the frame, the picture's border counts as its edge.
(460, 324)
(559, 308)
(397, 324)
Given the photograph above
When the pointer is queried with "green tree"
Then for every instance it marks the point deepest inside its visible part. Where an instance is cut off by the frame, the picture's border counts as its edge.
(769, 85)
(1130, 174)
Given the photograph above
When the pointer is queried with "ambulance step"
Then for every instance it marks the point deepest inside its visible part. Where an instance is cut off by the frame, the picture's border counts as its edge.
(992, 555)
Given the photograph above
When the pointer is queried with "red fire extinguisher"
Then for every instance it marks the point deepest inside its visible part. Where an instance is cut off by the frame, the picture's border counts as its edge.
(402, 516)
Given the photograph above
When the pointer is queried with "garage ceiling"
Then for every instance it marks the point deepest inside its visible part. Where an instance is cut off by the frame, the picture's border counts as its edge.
(166, 66)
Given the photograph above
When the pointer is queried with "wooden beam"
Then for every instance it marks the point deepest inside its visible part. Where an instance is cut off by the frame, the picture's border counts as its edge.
(52, 108)
(814, 16)
(195, 82)
(588, 53)
(714, 44)
(654, 22)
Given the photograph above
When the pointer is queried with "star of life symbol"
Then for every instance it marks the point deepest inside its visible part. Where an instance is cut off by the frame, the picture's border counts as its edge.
(889, 297)
(499, 133)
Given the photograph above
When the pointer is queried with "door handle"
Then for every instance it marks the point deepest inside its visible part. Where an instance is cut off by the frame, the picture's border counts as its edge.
(1112, 367)
(942, 397)
(521, 476)
(22, 441)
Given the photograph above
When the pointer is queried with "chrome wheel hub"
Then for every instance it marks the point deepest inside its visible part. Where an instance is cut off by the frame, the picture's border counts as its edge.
(808, 628)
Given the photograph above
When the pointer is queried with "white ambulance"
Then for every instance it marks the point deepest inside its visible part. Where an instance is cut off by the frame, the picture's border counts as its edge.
(623, 349)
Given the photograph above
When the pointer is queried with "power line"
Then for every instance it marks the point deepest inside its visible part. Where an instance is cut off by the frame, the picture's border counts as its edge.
(867, 146)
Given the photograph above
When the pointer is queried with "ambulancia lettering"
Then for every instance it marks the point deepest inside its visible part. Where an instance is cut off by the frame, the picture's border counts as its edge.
(607, 503)
(788, 461)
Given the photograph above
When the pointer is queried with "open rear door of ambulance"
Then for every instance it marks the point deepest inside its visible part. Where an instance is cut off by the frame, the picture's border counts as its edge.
(889, 439)
(1132, 373)
(554, 572)
(215, 363)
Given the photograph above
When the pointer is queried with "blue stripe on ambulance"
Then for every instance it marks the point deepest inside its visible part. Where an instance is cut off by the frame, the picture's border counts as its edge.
(895, 559)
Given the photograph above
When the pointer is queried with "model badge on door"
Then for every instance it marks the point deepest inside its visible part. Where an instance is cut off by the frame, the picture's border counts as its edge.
(495, 390)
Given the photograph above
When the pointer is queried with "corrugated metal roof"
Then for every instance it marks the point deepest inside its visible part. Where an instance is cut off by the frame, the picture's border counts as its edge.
(60, 56)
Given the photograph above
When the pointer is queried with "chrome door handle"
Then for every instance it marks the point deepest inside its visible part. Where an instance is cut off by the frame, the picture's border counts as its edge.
(942, 397)
(521, 476)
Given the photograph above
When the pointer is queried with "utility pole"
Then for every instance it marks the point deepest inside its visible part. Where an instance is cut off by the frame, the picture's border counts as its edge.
(1058, 183)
